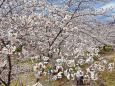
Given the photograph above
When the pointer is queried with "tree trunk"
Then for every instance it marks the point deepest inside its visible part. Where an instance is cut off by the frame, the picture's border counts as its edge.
(104, 48)
(10, 68)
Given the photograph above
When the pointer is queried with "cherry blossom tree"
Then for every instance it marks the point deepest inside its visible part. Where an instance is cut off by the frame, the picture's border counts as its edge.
(65, 30)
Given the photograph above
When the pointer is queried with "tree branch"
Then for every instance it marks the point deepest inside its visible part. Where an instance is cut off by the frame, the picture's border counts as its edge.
(2, 3)
(97, 38)
(3, 82)
(65, 24)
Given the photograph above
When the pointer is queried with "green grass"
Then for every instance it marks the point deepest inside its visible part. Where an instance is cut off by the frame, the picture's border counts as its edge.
(25, 79)
(74, 69)
(84, 66)
(108, 78)
(26, 61)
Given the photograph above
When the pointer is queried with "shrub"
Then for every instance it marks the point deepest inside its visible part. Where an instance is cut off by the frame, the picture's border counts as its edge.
(74, 69)
(105, 49)
(108, 48)
(82, 66)
(95, 58)
(19, 49)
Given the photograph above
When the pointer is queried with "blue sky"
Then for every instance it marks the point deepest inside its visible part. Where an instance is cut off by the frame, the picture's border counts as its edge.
(107, 6)
(98, 6)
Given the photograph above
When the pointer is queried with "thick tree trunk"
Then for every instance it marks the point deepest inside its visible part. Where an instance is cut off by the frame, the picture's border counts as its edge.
(10, 68)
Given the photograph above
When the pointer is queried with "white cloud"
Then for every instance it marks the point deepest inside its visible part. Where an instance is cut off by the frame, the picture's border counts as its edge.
(109, 5)
(108, 19)
(106, 7)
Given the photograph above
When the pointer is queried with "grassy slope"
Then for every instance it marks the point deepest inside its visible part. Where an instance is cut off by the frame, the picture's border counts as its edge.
(28, 79)
(107, 77)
